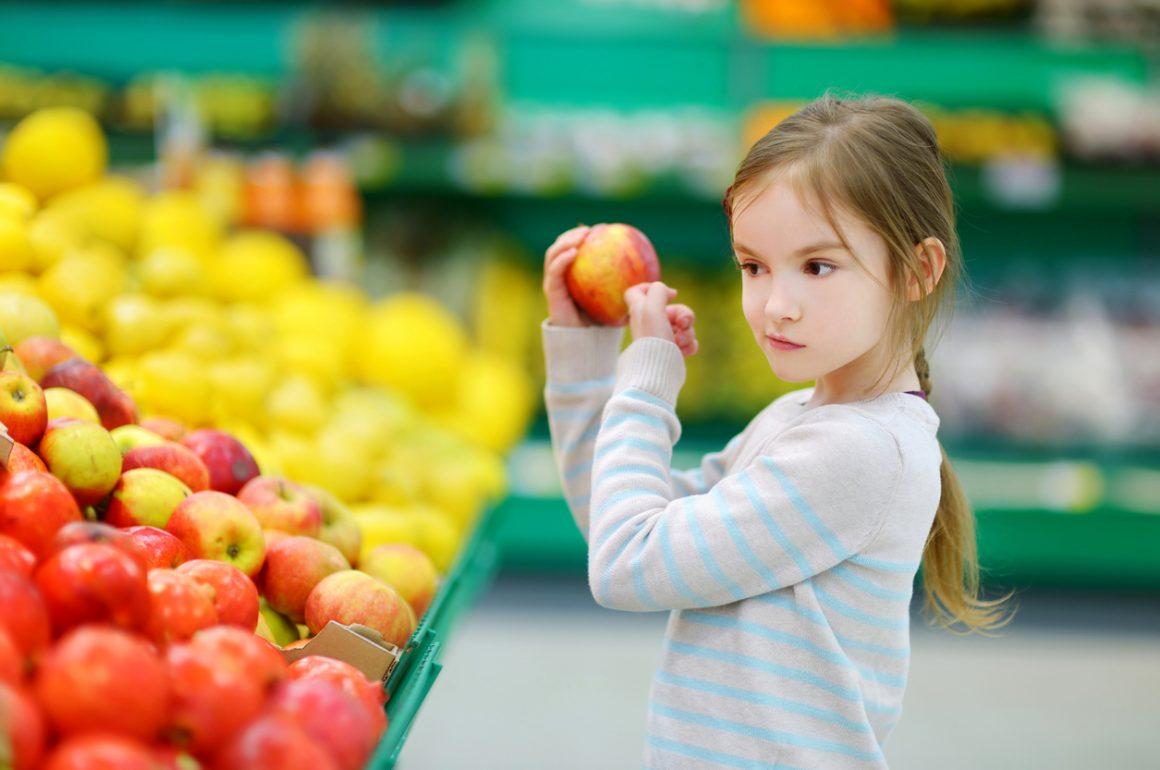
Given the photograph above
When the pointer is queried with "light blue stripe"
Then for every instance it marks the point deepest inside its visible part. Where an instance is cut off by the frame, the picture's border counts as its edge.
(613, 527)
(836, 548)
(662, 453)
(739, 540)
(616, 420)
(588, 435)
(648, 398)
(888, 566)
(696, 752)
(673, 569)
(856, 614)
(760, 733)
(853, 578)
(581, 387)
(757, 664)
(765, 632)
(628, 470)
(706, 554)
(642, 593)
(819, 619)
(616, 497)
(786, 544)
(573, 413)
(689, 482)
(761, 699)
(578, 470)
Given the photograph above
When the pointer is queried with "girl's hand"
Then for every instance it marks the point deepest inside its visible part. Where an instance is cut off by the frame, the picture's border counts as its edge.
(650, 315)
(562, 309)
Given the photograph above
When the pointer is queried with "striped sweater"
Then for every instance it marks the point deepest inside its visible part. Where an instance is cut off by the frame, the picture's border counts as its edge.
(786, 560)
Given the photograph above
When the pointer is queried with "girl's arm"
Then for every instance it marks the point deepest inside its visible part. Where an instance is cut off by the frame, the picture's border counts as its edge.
(712, 469)
(816, 495)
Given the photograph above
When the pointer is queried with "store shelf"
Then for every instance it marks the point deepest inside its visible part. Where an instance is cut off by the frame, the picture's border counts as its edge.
(1078, 522)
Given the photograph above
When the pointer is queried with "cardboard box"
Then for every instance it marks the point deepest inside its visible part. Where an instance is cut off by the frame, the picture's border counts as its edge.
(362, 647)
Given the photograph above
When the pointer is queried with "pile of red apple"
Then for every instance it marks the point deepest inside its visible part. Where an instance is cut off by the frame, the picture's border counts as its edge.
(132, 558)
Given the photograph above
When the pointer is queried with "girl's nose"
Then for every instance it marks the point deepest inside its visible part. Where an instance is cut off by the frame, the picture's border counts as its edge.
(780, 306)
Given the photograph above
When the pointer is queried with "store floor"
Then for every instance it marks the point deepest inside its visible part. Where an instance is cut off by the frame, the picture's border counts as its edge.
(538, 677)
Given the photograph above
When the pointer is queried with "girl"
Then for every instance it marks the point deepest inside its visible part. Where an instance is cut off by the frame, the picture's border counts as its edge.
(787, 559)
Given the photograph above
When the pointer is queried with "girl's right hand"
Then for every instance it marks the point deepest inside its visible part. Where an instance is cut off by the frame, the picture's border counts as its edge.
(562, 309)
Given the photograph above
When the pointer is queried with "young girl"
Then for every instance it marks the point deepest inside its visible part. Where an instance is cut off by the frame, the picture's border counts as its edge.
(788, 557)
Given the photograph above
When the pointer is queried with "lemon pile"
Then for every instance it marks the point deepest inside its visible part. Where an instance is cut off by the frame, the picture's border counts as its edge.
(386, 403)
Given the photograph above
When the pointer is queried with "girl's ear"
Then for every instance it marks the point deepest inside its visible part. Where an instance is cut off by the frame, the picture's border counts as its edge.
(932, 257)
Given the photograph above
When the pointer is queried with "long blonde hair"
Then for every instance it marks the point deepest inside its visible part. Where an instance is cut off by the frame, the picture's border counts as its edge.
(879, 158)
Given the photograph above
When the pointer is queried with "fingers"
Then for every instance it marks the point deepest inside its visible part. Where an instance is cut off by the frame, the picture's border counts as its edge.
(569, 239)
(680, 316)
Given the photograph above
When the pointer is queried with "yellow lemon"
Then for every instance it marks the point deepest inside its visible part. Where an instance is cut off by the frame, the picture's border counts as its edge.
(240, 387)
(192, 311)
(314, 355)
(50, 237)
(16, 201)
(333, 309)
(256, 266)
(339, 468)
(456, 490)
(297, 404)
(63, 402)
(53, 150)
(123, 373)
(22, 315)
(293, 452)
(395, 483)
(414, 345)
(178, 219)
(380, 525)
(437, 536)
(171, 271)
(209, 340)
(175, 384)
(134, 324)
(497, 400)
(109, 209)
(21, 283)
(251, 326)
(15, 245)
(80, 285)
(85, 344)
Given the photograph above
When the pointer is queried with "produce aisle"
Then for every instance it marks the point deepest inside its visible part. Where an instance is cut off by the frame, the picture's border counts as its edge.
(280, 263)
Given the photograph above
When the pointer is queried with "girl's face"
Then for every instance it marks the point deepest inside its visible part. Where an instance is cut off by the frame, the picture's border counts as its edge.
(800, 283)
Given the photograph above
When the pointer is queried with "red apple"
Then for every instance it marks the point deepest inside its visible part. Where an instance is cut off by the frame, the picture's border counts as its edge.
(273, 536)
(23, 409)
(21, 459)
(294, 566)
(113, 404)
(356, 597)
(157, 548)
(611, 258)
(179, 607)
(242, 650)
(230, 464)
(172, 458)
(235, 597)
(33, 506)
(210, 701)
(78, 532)
(130, 436)
(100, 751)
(331, 716)
(97, 678)
(23, 734)
(167, 757)
(93, 583)
(11, 660)
(281, 504)
(39, 354)
(83, 456)
(369, 693)
(339, 527)
(213, 525)
(15, 556)
(144, 496)
(407, 570)
(165, 427)
(25, 617)
(274, 743)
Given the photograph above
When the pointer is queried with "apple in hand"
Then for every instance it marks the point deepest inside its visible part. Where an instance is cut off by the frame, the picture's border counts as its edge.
(294, 566)
(113, 405)
(172, 458)
(83, 456)
(610, 259)
(235, 597)
(407, 570)
(93, 583)
(339, 527)
(23, 409)
(156, 547)
(230, 464)
(33, 507)
(351, 596)
(213, 525)
(179, 606)
(144, 497)
(281, 504)
(97, 678)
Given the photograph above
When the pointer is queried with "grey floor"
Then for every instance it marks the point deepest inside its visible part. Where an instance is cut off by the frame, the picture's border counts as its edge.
(538, 676)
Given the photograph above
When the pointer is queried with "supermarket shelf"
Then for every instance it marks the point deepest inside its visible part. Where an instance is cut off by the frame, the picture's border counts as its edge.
(1081, 523)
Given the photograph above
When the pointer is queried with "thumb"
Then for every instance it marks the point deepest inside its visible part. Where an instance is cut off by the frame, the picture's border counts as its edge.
(658, 297)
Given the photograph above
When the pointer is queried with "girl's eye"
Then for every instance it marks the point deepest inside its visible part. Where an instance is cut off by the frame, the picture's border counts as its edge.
(751, 269)
(810, 265)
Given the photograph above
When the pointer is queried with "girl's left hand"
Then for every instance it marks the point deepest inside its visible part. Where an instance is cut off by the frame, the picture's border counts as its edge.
(650, 315)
